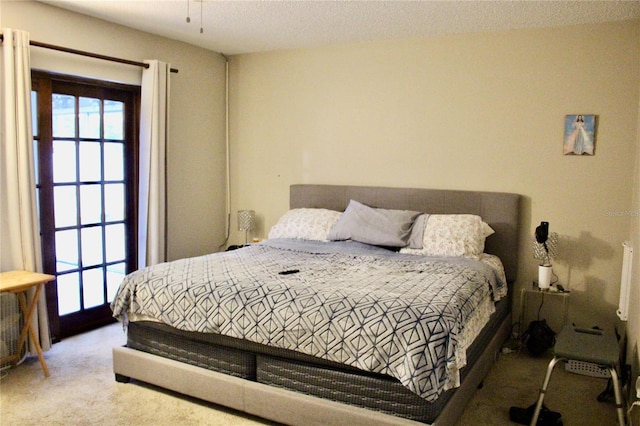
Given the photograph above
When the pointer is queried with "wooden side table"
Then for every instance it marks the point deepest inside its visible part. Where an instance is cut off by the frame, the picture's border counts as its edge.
(18, 282)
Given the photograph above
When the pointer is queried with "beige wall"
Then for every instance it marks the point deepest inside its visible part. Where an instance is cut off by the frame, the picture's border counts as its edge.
(470, 112)
(478, 112)
(196, 150)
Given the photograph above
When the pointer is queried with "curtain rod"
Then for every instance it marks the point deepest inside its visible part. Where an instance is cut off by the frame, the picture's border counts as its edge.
(88, 54)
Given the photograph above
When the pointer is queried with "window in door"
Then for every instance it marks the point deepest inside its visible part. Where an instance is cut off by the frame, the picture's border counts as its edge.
(85, 135)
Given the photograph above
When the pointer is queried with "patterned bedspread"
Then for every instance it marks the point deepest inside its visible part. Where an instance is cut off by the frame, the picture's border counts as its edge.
(407, 316)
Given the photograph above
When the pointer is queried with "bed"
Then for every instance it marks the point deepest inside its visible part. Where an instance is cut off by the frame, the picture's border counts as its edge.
(313, 327)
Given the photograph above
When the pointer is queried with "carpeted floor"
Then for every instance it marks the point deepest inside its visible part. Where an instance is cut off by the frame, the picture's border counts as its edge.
(82, 391)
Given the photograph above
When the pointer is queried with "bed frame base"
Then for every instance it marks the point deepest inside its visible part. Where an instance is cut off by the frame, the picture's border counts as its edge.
(280, 405)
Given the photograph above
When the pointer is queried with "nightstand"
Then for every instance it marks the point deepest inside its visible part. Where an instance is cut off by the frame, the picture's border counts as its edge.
(535, 295)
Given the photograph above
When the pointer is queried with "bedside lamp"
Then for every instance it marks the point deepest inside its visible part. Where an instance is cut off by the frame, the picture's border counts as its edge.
(246, 222)
(545, 246)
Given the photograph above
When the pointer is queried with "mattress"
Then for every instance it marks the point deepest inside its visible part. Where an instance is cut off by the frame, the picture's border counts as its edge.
(298, 372)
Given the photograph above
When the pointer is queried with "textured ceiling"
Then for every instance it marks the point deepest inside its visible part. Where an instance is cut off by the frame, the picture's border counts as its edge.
(233, 27)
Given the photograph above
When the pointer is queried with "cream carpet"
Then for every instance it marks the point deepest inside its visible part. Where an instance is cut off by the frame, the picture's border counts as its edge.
(82, 391)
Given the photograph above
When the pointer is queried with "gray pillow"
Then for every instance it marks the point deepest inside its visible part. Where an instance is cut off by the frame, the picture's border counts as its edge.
(380, 227)
(417, 232)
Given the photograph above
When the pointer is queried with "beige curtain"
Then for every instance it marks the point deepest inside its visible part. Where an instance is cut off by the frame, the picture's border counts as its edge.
(154, 121)
(19, 225)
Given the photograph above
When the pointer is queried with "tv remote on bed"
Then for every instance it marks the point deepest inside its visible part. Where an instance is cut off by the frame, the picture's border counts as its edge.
(289, 272)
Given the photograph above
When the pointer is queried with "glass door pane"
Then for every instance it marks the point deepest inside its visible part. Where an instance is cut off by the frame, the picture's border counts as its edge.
(114, 120)
(64, 161)
(63, 116)
(89, 118)
(68, 286)
(90, 154)
(67, 250)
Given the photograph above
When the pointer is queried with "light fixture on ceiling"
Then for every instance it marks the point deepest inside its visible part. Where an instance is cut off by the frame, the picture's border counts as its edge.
(188, 14)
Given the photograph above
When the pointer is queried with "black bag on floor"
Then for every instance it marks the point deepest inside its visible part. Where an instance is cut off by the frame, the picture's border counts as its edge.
(539, 337)
(546, 417)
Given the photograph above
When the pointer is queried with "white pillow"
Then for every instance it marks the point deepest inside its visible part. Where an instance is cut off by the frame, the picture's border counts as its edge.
(460, 235)
(305, 224)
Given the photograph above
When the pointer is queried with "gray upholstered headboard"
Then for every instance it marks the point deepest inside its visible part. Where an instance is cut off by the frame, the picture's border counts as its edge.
(500, 210)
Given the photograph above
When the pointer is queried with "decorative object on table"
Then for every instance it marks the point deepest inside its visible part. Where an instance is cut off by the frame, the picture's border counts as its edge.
(579, 134)
(246, 222)
(545, 247)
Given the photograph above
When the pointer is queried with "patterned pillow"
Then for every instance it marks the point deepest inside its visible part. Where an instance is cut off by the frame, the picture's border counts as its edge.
(460, 235)
(305, 224)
